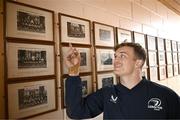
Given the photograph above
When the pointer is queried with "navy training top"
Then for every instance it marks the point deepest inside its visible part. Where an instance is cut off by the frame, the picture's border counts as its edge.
(147, 100)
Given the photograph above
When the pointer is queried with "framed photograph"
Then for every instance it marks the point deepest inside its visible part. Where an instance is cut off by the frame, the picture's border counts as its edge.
(140, 38)
(169, 58)
(27, 60)
(160, 44)
(151, 42)
(123, 35)
(152, 58)
(86, 83)
(175, 58)
(168, 45)
(104, 59)
(106, 79)
(74, 29)
(174, 46)
(178, 47)
(31, 98)
(169, 71)
(175, 67)
(161, 58)
(179, 57)
(25, 21)
(162, 72)
(153, 74)
(85, 64)
(144, 72)
(103, 35)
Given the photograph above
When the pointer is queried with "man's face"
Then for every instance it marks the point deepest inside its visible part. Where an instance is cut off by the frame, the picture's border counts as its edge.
(124, 62)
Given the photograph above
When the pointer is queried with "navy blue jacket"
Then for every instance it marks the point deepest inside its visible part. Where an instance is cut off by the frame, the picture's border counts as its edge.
(147, 100)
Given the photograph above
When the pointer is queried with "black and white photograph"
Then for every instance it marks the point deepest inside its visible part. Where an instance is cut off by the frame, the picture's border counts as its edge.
(106, 79)
(29, 22)
(123, 35)
(153, 74)
(162, 72)
(31, 98)
(28, 60)
(175, 57)
(160, 44)
(31, 59)
(174, 46)
(169, 58)
(85, 64)
(168, 45)
(74, 29)
(139, 38)
(104, 59)
(169, 71)
(161, 58)
(152, 58)
(151, 42)
(103, 35)
(176, 71)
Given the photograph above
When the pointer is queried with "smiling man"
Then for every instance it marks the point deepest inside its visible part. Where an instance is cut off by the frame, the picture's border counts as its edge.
(134, 98)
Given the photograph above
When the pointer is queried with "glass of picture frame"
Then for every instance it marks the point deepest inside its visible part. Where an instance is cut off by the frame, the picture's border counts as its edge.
(74, 29)
(103, 34)
(175, 58)
(87, 87)
(152, 58)
(151, 40)
(29, 60)
(162, 72)
(123, 35)
(104, 59)
(29, 22)
(31, 98)
(178, 47)
(85, 64)
(153, 74)
(169, 71)
(139, 38)
(169, 58)
(160, 44)
(106, 79)
(161, 58)
(174, 46)
(168, 45)
(176, 71)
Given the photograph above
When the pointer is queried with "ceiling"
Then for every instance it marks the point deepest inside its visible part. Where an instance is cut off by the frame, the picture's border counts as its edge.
(172, 4)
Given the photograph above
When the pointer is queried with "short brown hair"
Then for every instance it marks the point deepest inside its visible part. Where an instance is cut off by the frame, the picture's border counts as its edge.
(139, 51)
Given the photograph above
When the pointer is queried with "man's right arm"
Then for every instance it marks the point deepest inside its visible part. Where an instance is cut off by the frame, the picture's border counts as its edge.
(79, 107)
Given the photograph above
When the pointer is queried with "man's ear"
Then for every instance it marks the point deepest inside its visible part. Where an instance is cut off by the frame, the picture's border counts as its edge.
(139, 63)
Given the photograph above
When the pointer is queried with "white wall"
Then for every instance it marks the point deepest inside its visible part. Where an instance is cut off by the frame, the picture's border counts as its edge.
(146, 16)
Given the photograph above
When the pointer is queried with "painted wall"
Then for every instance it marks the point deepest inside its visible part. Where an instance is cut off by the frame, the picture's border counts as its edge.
(146, 16)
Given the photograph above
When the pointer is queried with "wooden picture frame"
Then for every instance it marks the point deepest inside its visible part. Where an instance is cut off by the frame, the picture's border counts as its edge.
(175, 69)
(162, 72)
(161, 58)
(103, 35)
(169, 71)
(30, 60)
(151, 42)
(140, 38)
(29, 22)
(123, 35)
(74, 29)
(85, 64)
(174, 46)
(169, 58)
(168, 45)
(152, 57)
(106, 79)
(104, 59)
(175, 57)
(153, 74)
(31, 98)
(160, 44)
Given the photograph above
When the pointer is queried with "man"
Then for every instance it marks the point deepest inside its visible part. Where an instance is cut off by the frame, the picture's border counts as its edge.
(134, 98)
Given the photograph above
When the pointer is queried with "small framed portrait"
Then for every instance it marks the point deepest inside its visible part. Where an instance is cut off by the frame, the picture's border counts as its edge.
(174, 46)
(151, 42)
(123, 35)
(103, 35)
(162, 72)
(169, 57)
(105, 80)
(85, 64)
(175, 67)
(28, 22)
(168, 45)
(86, 84)
(175, 58)
(29, 60)
(104, 59)
(74, 29)
(160, 44)
(153, 74)
(31, 98)
(161, 58)
(139, 38)
(169, 71)
(152, 58)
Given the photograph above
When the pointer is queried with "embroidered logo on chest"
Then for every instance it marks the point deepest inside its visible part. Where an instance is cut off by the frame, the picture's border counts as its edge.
(155, 103)
(113, 99)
